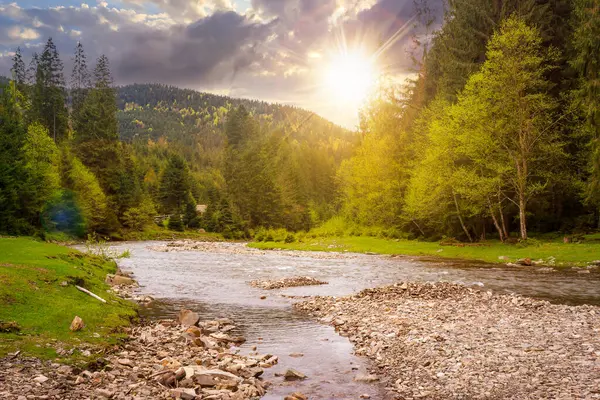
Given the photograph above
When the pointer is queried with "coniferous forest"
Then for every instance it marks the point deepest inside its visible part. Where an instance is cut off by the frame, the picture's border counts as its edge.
(497, 134)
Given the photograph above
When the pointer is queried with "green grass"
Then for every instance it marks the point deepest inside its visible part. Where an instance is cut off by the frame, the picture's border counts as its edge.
(573, 254)
(31, 295)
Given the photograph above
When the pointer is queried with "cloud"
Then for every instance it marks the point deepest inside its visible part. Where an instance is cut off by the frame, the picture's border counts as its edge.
(266, 51)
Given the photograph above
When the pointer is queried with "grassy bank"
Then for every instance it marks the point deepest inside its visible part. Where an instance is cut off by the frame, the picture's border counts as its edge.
(34, 296)
(552, 252)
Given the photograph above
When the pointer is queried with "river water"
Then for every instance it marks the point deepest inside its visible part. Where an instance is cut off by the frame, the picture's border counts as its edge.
(214, 282)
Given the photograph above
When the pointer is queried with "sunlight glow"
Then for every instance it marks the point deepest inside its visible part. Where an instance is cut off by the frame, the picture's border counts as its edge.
(350, 77)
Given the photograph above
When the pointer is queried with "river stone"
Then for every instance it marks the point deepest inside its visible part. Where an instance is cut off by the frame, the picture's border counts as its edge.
(293, 375)
(77, 324)
(525, 261)
(188, 317)
(118, 280)
(40, 379)
(366, 378)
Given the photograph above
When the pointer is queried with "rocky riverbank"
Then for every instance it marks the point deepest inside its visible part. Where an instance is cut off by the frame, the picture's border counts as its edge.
(446, 341)
(164, 360)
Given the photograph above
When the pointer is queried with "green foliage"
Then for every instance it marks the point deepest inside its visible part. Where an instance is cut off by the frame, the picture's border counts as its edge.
(90, 198)
(174, 184)
(42, 170)
(138, 218)
(175, 223)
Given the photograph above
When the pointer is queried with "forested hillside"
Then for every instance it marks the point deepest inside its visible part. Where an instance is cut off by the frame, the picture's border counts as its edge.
(87, 157)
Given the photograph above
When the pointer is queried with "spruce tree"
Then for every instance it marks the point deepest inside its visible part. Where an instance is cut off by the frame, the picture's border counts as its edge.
(18, 68)
(80, 79)
(31, 72)
(97, 118)
(48, 99)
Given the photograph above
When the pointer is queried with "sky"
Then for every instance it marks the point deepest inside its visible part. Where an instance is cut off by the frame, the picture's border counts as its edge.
(284, 51)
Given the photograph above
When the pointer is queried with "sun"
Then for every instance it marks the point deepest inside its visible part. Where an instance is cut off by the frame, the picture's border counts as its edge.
(350, 77)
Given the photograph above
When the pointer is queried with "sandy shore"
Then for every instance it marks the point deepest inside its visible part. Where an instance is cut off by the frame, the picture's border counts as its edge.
(446, 341)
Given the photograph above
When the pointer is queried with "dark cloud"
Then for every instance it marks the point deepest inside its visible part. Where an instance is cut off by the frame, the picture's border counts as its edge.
(261, 53)
(213, 48)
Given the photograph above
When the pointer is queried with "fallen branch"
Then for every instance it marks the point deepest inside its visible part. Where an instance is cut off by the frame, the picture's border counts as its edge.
(90, 293)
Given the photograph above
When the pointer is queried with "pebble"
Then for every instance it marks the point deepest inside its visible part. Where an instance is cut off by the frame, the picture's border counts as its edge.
(448, 341)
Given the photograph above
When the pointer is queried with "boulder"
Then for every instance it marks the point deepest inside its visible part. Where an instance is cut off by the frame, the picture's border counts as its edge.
(188, 318)
(77, 324)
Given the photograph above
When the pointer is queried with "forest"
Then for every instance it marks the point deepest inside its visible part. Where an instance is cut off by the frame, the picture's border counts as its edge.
(497, 135)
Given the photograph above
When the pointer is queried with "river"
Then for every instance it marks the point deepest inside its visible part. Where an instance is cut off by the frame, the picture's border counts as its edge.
(214, 282)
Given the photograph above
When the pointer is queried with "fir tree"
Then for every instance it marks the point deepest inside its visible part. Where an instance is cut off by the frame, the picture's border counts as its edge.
(48, 99)
(18, 68)
(80, 79)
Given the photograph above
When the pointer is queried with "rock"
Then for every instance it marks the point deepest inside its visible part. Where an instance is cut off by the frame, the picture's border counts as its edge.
(119, 280)
(183, 394)
(105, 393)
(296, 396)
(366, 378)
(263, 297)
(194, 331)
(525, 261)
(64, 284)
(293, 375)
(404, 286)
(188, 318)
(296, 355)
(77, 324)
(126, 362)
(65, 370)
(213, 377)
(365, 396)
(40, 379)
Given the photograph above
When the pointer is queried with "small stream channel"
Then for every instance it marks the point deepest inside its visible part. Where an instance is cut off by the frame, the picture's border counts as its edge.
(215, 284)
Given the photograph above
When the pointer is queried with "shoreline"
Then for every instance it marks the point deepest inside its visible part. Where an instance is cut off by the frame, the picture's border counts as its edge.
(543, 254)
(448, 341)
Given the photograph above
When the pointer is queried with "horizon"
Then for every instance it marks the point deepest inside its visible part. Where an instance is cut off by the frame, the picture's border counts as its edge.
(324, 57)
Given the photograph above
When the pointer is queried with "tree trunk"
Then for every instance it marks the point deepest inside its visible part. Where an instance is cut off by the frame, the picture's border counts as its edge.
(502, 220)
(496, 224)
(522, 220)
(460, 218)
(417, 225)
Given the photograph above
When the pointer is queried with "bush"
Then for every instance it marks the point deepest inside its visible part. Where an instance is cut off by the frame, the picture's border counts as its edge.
(290, 238)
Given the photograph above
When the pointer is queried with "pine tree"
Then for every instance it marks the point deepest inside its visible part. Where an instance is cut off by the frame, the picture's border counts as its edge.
(32, 69)
(97, 118)
(48, 99)
(80, 79)
(18, 68)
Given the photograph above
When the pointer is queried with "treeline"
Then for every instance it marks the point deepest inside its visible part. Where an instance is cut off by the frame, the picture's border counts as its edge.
(87, 157)
(499, 133)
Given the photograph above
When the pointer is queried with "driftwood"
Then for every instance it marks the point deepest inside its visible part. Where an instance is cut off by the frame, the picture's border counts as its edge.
(90, 293)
